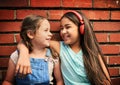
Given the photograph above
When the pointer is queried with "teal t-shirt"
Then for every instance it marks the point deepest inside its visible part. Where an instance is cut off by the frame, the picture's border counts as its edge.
(72, 66)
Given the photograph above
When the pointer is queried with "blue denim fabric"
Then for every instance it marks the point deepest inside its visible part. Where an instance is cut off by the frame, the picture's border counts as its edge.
(40, 73)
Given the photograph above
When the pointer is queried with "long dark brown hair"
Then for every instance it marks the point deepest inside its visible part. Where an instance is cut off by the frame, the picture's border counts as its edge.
(91, 50)
(30, 22)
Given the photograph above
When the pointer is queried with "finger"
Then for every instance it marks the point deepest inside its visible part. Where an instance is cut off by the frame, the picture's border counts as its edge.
(21, 72)
(21, 69)
(17, 68)
(25, 70)
(29, 69)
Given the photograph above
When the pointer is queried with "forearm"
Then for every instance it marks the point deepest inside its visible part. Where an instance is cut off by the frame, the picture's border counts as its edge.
(22, 48)
(23, 64)
(60, 83)
(58, 74)
(55, 45)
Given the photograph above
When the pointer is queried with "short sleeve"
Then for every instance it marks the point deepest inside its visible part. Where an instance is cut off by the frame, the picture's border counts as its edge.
(14, 56)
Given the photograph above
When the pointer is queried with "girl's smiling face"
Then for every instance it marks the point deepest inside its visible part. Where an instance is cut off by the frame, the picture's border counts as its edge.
(69, 31)
(43, 35)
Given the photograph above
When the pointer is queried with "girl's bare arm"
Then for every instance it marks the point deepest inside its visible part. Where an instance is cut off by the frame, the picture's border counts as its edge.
(23, 64)
(58, 74)
(9, 80)
(55, 45)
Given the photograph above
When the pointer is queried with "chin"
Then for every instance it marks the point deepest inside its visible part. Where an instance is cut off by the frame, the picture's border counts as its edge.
(66, 42)
(47, 45)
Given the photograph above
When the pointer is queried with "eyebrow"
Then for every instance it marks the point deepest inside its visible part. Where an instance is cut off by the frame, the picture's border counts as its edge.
(65, 25)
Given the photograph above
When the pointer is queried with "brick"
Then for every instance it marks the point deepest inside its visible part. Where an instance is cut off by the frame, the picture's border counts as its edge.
(55, 26)
(23, 13)
(115, 37)
(110, 49)
(17, 36)
(106, 26)
(114, 60)
(3, 74)
(96, 15)
(0, 76)
(45, 3)
(115, 15)
(106, 59)
(6, 38)
(102, 37)
(6, 14)
(6, 50)
(55, 14)
(9, 26)
(115, 81)
(9, 38)
(13, 3)
(114, 71)
(77, 3)
(106, 4)
(4, 62)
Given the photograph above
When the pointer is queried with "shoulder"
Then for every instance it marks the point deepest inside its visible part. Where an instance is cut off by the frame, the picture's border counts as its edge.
(55, 45)
(14, 53)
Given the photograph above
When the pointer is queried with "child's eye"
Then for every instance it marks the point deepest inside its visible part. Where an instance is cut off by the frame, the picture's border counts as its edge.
(61, 28)
(46, 30)
(67, 27)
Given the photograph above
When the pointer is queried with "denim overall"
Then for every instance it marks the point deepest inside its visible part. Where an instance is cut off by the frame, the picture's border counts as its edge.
(40, 73)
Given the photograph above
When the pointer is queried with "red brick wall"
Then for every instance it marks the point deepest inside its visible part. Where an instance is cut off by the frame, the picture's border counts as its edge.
(104, 14)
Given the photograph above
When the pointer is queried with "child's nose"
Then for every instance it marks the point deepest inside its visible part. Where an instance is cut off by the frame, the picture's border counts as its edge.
(63, 31)
(50, 34)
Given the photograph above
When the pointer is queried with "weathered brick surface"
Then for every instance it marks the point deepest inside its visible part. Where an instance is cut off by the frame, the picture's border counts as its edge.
(6, 14)
(45, 3)
(115, 15)
(106, 26)
(77, 3)
(97, 14)
(13, 3)
(20, 14)
(106, 4)
(9, 26)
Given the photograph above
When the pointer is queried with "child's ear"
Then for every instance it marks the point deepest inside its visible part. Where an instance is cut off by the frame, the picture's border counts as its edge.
(30, 34)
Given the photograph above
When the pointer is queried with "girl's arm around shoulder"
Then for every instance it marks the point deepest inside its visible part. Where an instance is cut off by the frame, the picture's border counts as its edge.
(23, 63)
(58, 74)
(9, 80)
(55, 45)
